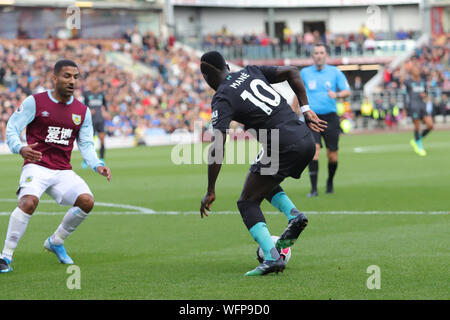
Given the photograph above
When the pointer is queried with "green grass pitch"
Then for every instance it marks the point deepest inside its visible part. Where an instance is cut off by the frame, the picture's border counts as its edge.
(180, 256)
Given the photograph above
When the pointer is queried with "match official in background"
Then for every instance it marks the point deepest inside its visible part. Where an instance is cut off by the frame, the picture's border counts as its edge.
(324, 84)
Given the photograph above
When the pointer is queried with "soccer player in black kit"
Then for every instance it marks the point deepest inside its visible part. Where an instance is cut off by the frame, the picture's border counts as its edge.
(95, 100)
(416, 88)
(288, 146)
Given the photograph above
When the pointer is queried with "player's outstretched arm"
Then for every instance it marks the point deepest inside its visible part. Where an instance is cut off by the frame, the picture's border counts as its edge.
(104, 171)
(292, 76)
(85, 141)
(215, 158)
(289, 74)
(313, 121)
(23, 116)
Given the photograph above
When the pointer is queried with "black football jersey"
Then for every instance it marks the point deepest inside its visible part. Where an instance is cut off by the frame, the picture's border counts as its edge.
(415, 89)
(95, 101)
(247, 97)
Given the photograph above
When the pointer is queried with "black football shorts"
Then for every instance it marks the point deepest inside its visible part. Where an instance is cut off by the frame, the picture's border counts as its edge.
(331, 134)
(290, 162)
(99, 126)
(418, 112)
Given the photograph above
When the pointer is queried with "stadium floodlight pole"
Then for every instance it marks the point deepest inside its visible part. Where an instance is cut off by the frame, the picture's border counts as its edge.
(169, 17)
(390, 10)
(425, 13)
(271, 22)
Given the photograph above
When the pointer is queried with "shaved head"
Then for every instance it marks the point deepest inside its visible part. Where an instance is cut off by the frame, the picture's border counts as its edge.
(214, 68)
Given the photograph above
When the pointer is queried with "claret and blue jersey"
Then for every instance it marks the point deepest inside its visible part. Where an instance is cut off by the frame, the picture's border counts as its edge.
(54, 126)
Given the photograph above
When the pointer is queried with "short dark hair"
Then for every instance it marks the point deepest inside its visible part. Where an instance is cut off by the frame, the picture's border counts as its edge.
(214, 59)
(63, 63)
(320, 44)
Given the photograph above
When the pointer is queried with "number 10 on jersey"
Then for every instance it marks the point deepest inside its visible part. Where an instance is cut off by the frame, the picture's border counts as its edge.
(260, 100)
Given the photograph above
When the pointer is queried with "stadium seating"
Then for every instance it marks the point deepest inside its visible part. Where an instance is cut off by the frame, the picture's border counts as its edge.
(173, 97)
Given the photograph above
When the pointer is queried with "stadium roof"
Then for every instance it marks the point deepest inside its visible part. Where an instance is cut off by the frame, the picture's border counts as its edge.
(289, 3)
(99, 4)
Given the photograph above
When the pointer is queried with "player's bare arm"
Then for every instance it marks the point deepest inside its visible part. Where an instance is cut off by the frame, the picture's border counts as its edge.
(296, 106)
(292, 76)
(216, 152)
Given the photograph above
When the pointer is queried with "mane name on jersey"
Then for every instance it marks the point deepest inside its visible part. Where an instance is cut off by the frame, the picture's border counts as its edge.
(244, 76)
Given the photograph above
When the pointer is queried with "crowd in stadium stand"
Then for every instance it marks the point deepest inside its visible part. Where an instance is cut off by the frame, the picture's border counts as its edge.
(359, 42)
(433, 61)
(175, 95)
(172, 99)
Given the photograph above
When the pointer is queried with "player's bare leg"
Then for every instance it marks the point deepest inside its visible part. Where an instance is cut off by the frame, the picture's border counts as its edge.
(18, 223)
(416, 143)
(314, 172)
(428, 120)
(73, 218)
(256, 187)
(332, 166)
(101, 136)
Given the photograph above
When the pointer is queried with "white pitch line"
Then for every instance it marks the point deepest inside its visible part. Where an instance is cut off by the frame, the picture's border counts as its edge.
(100, 204)
(148, 211)
(235, 212)
(396, 147)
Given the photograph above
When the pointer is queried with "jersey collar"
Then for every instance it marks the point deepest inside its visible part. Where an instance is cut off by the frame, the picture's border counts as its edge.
(49, 92)
(323, 69)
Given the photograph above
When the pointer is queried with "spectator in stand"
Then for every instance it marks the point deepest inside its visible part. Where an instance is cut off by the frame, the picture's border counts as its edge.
(356, 97)
(308, 40)
(402, 35)
(366, 111)
(298, 44)
(370, 44)
(365, 31)
(287, 37)
(127, 35)
(173, 99)
(136, 38)
(236, 46)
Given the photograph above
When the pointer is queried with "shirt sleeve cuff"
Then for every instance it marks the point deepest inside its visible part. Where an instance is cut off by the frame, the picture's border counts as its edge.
(99, 164)
(16, 148)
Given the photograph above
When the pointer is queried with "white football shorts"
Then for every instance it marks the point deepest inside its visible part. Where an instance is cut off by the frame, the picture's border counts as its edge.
(62, 185)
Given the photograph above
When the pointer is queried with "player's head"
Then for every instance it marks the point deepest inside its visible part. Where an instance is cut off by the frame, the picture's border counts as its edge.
(214, 68)
(65, 77)
(415, 71)
(94, 84)
(319, 54)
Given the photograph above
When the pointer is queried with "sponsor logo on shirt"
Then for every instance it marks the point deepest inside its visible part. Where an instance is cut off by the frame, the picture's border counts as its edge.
(45, 113)
(58, 135)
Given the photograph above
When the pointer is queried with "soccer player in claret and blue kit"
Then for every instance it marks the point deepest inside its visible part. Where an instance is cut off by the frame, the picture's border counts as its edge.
(288, 146)
(53, 120)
